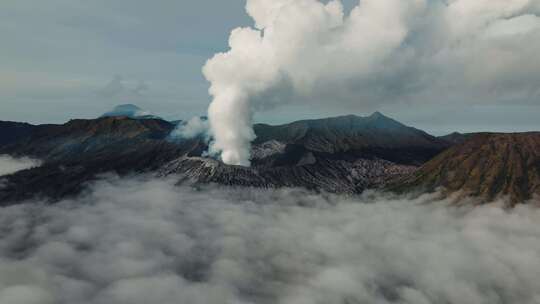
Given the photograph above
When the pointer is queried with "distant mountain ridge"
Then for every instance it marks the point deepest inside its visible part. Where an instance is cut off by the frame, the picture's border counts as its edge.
(342, 154)
(345, 154)
(85, 136)
(374, 134)
(346, 132)
(11, 131)
(75, 153)
(456, 137)
(131, 111)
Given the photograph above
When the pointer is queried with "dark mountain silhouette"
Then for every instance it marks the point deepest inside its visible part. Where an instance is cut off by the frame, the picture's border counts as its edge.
(345, 154)
(11, 132)
(376, 134)
(456, 137)
(76, 152)
(87, 137)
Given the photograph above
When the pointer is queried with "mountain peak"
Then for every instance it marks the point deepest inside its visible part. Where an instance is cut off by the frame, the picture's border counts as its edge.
(129, 110)
(455, 137)
(377, 114)
(379, 120)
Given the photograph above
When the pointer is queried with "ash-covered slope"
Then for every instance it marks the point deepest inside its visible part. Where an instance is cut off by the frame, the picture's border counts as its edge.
(487, 165)
(331, 175)
(344, 154)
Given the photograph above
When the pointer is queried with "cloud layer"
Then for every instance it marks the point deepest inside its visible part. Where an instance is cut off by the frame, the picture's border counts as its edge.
(413, 52)
(147, 241)
(10, 165)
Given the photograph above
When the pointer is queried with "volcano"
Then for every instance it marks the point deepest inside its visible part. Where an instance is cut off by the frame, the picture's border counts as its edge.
(345, 154)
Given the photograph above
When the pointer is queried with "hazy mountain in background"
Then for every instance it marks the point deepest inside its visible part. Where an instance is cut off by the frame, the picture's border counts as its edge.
(131, 111)
(375, 134)
(455, 137)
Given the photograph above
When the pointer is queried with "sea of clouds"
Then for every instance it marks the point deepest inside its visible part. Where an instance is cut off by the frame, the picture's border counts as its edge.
(142, 240)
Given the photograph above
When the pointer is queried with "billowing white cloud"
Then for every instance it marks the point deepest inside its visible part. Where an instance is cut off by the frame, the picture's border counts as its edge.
(148, 241)
(10, 164)
(194, 127)
(416, 52)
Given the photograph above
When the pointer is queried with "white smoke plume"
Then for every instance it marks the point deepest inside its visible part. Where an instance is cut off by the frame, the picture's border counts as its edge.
(194, 127)
(399, 51)
(9, 165)
(147, 241)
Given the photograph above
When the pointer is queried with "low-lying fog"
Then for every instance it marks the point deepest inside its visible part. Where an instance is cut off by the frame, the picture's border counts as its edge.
(147, 241)
(10, 165)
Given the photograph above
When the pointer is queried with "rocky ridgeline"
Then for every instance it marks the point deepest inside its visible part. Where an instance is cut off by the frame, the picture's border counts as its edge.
(347, 154)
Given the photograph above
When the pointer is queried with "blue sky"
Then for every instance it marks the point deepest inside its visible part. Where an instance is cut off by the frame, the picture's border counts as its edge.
(63, 59)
